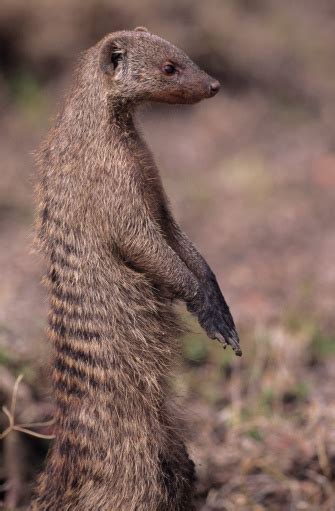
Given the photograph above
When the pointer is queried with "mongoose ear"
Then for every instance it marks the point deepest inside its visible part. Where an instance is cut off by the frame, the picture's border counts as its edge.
(111, 54)
(141, 29)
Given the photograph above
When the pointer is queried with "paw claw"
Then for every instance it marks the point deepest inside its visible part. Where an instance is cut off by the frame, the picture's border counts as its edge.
(233, 342)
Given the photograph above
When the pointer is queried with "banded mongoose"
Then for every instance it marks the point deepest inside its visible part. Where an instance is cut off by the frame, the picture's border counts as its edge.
(117, 263)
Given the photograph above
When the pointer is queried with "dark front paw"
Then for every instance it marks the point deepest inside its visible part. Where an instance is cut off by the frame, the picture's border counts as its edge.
(215, 318)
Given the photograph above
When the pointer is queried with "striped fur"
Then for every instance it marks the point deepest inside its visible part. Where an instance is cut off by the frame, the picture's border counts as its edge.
(117, 261)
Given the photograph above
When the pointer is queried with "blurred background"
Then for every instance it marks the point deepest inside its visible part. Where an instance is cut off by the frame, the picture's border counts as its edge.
(251, 177)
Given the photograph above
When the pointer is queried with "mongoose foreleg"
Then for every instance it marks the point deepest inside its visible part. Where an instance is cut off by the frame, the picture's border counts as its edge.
(209, 305)
(170, 257)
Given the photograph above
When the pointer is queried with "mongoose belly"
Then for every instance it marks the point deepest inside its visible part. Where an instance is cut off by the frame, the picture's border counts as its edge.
(112, 353)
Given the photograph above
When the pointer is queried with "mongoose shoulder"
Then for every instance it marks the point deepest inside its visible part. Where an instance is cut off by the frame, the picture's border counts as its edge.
(117, 262)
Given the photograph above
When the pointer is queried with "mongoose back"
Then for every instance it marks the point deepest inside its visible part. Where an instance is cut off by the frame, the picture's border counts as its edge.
(117, 263)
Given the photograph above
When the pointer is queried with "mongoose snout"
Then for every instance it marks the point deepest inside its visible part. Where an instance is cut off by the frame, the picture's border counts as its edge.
(214, 87)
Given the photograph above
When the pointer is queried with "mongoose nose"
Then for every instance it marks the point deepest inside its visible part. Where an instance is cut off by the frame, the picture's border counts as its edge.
(214, 87)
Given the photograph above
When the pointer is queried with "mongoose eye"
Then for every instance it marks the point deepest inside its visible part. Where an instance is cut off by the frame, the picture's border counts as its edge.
(169, 69)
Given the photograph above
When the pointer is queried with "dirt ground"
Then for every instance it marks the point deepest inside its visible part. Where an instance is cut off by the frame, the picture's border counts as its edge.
(251, 178)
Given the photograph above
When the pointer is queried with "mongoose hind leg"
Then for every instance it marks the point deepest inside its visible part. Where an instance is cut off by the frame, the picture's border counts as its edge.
(179, 478)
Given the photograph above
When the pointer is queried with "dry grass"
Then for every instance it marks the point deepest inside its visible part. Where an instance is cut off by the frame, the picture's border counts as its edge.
(262, 428)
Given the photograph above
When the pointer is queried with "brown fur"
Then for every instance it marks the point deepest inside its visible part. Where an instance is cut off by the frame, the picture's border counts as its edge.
(117, 261)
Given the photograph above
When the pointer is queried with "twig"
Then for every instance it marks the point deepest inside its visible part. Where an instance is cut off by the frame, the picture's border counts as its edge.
(322, 455)
(22, 428)
(13, 450)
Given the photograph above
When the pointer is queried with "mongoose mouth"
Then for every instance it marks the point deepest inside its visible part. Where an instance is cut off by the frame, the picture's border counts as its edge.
(209, 89)
(191, 95)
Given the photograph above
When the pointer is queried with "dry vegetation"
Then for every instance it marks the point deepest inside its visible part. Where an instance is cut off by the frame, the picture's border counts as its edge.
(251, 175)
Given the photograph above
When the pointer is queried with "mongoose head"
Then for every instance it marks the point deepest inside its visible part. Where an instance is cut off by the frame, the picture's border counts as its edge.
(139, 66)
